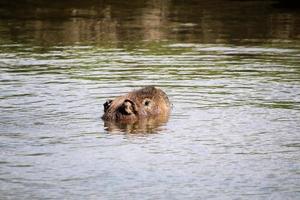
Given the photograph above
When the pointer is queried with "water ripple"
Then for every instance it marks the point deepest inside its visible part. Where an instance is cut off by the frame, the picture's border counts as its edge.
(235, 118)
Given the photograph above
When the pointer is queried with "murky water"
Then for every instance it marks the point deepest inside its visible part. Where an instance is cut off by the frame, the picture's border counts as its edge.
(230, 68)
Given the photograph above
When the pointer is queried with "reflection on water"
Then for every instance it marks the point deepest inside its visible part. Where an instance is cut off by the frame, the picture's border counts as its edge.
(148, 125)
(230, 69)
(108, 22)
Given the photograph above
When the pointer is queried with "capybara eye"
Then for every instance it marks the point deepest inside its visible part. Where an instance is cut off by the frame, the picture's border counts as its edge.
(147, 102)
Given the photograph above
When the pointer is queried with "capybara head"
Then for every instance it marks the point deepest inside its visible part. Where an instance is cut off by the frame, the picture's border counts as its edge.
(148, 102)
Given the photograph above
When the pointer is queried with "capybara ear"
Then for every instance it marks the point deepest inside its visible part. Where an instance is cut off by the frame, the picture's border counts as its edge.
(107, 104)
(128, 107)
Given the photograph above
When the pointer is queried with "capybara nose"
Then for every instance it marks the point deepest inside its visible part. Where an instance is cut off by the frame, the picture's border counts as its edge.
(107, 104)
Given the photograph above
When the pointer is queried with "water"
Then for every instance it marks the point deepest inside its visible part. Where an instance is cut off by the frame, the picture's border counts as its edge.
(230, 68)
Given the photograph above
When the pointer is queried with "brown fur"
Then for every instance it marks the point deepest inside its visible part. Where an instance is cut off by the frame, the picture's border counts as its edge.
(147, 102)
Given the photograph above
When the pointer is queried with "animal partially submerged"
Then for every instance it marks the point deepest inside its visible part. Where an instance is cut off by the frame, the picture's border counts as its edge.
(138, 105)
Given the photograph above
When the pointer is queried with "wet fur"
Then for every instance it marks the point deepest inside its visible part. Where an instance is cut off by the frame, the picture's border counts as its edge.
(147, 102)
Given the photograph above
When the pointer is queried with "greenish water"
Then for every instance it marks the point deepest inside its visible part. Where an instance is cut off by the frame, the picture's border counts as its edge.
(231, 70)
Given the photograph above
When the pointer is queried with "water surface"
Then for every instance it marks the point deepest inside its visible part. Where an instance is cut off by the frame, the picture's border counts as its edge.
(230, 68)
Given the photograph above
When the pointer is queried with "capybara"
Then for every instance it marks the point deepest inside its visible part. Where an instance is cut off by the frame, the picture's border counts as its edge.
(148, 102)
